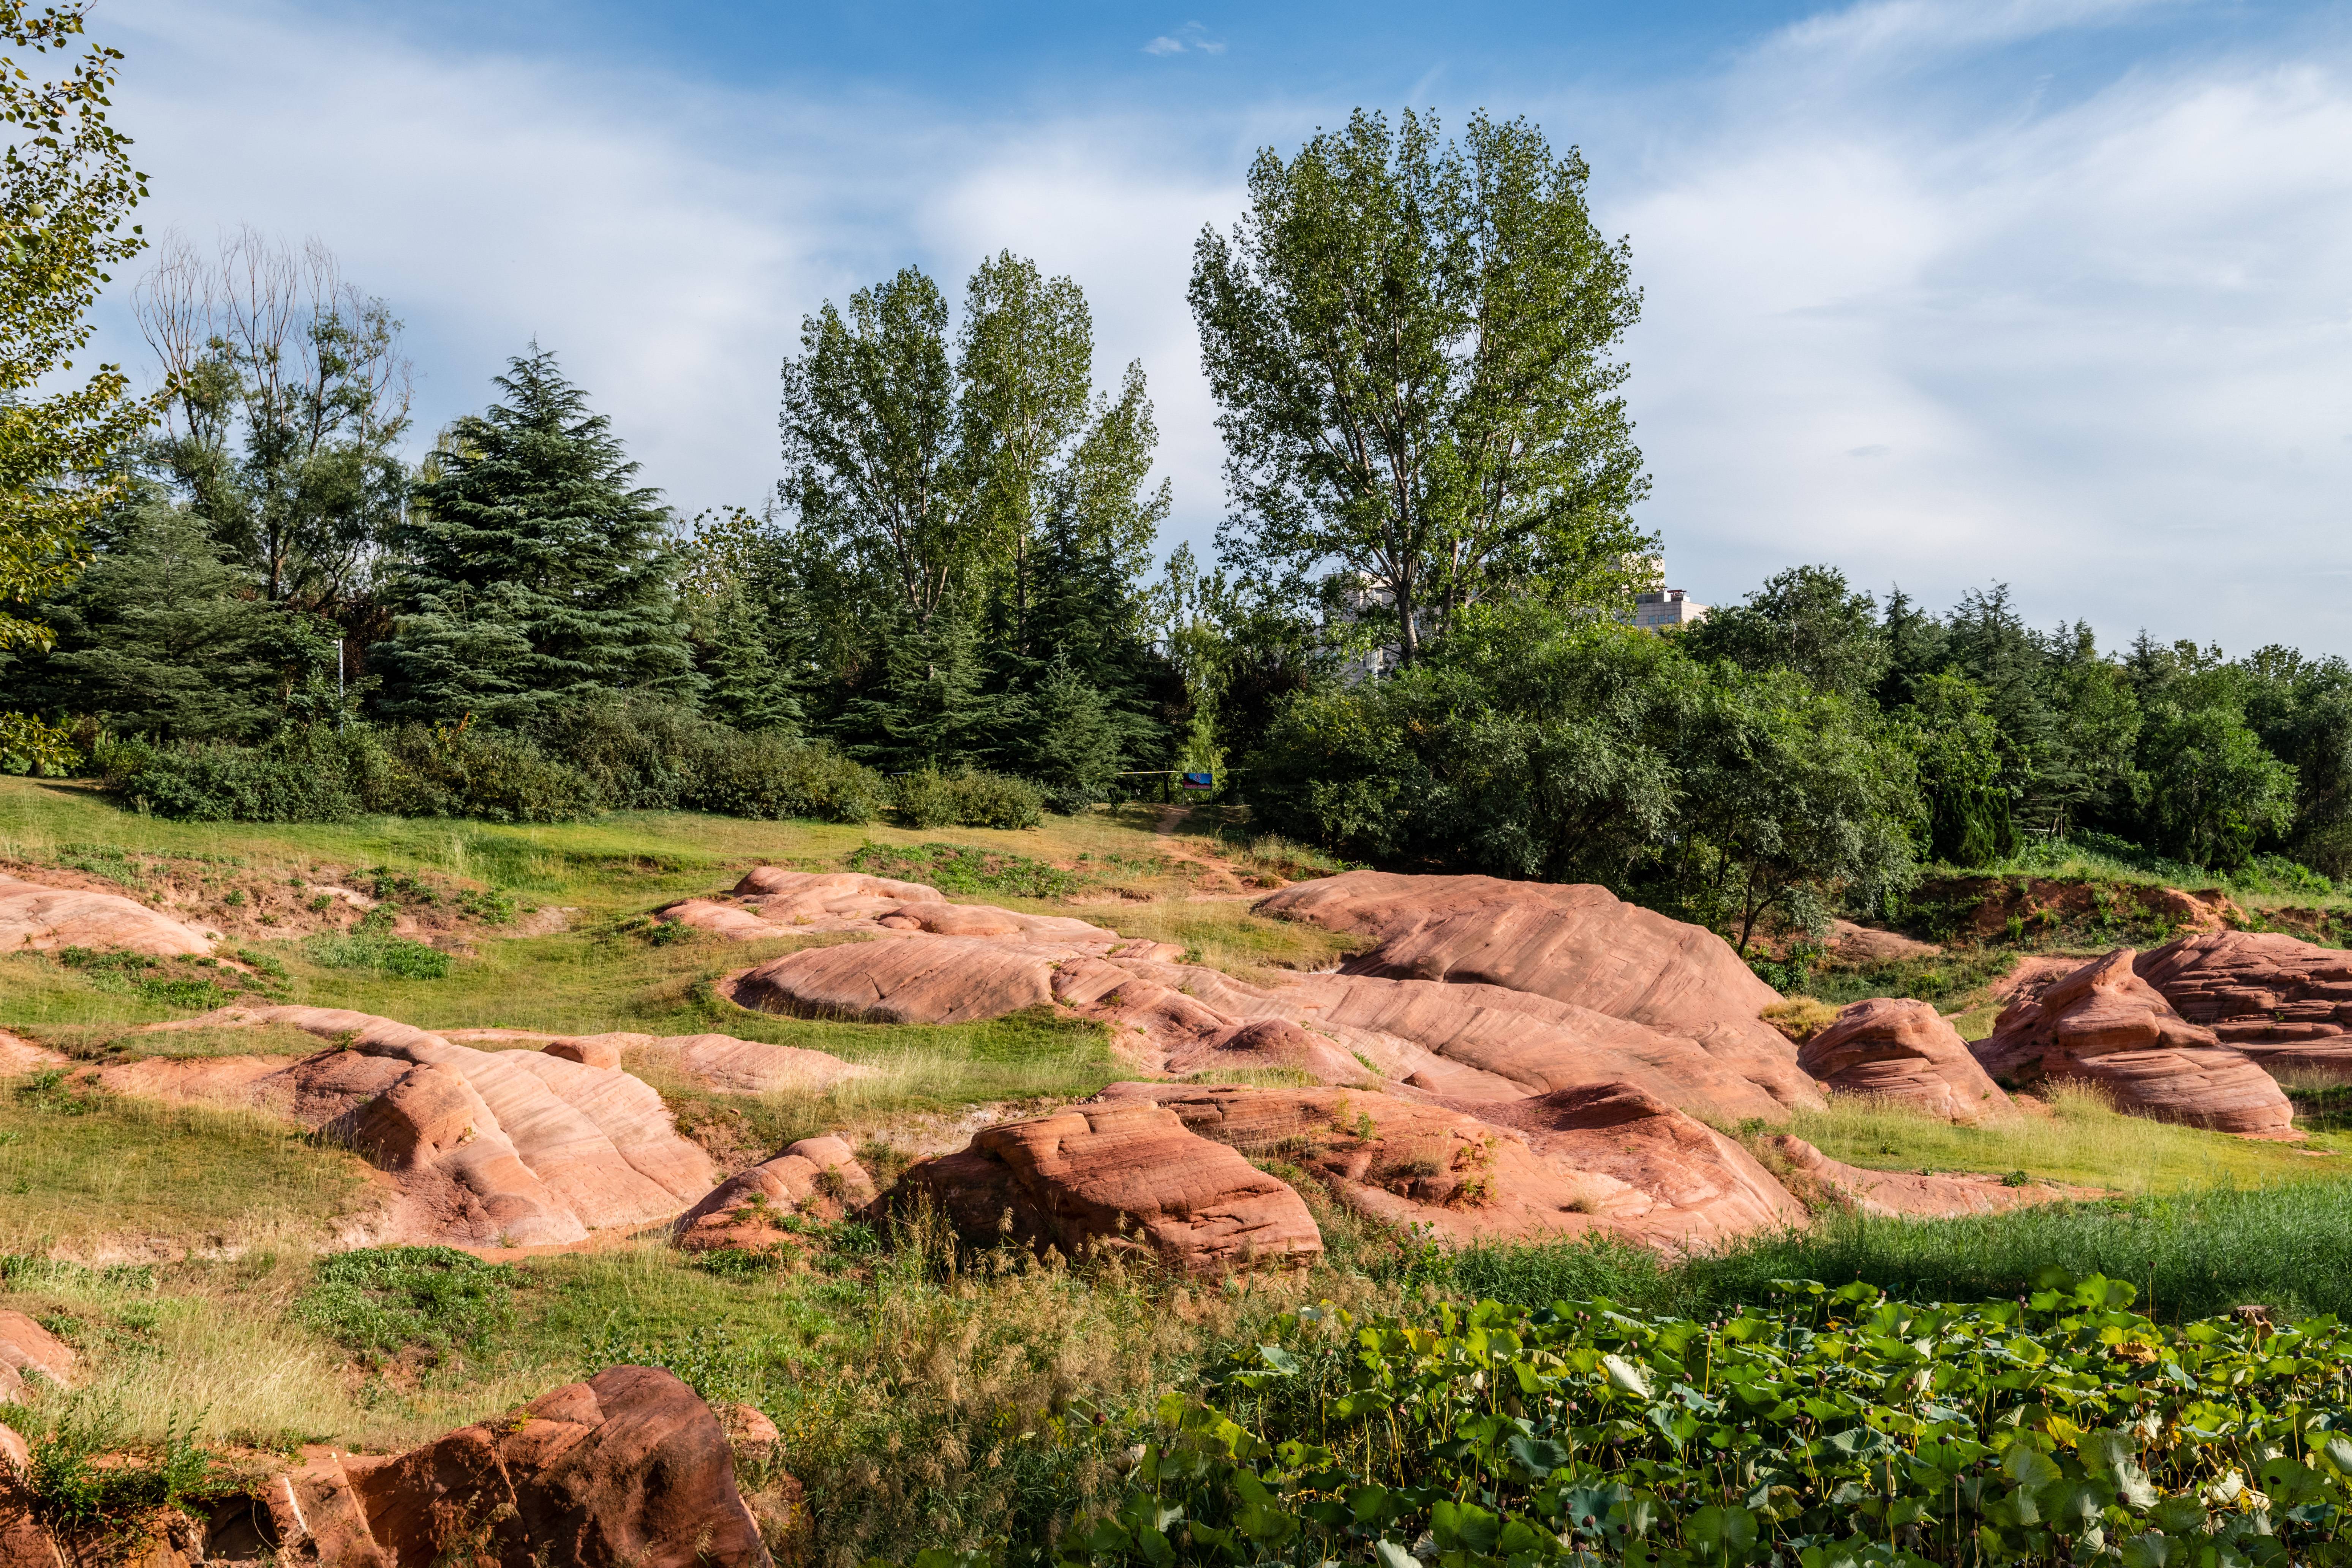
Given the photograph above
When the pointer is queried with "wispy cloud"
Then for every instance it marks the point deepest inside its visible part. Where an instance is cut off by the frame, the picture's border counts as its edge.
(1191, 39)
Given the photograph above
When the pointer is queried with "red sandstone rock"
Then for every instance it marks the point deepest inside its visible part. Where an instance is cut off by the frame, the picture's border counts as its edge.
(14, 1455)
(1118, 1177)
(1604, 1158)
(629, 1469)
(1907, 1194)
(28, 1351)
(817, 1176)
(2283, 1002)
(2104, 1025)
(1687, 1186)
(40, 918)
(723, 1062)
(23, 1542)
(1269, 1043)
(1575, 944)
(509, 1148)
(1904, 1050)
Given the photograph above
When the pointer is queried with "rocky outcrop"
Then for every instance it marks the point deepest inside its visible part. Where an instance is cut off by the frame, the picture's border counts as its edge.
(1909, 1193)
(37, 917)
(629, 1469)
(1852, 944)
(2282, 1001)
(29, 1351)
(1116, 1178)
(1608, 1158)
(818, 1177)
(719, 1062)
(1466, 1040)
(489, 1148)
(1571, 943)
(1902, 1050)
(2104, 1024)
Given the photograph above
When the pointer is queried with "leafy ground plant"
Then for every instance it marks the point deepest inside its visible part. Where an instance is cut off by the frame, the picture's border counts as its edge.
(385, 1300)
(1837, 1430)
(962, 868)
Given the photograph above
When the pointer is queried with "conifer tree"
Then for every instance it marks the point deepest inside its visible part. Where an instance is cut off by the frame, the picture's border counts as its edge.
(531, 570)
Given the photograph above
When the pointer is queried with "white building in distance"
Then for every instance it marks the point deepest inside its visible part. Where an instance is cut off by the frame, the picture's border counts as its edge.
(1661, 609)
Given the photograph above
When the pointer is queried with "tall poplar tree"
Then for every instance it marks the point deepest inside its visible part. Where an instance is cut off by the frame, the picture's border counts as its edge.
(530, 570)
(1412, 341)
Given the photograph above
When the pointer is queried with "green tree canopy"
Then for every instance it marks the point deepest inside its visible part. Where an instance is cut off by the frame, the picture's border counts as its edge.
(1411, 344)
(1804, 619)
(529, 570)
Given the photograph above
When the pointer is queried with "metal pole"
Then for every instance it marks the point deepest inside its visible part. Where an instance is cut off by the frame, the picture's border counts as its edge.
(339, 686)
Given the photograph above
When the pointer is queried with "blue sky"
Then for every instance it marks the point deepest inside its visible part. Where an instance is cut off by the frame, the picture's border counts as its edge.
(1942, 291)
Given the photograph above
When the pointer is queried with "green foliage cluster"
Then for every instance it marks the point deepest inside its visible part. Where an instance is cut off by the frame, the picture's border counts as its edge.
(193, 984)
(370, 945)
(968, 798)
(1842, 1427)
(85, 1480)
(963, 868)
(384, 1301)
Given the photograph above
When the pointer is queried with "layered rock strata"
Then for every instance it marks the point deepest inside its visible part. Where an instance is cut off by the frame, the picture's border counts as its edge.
(488, 1148)
(2104, 1024)
(1902, 1050)
(2283, 1002)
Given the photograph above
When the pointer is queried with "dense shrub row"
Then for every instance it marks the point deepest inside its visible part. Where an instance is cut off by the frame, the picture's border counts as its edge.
(615, 753)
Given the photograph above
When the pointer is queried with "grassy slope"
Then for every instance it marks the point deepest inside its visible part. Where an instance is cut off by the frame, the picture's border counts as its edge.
(875, 1355)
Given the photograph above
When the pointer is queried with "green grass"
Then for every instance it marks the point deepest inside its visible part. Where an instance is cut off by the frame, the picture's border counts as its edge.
(2084, 1143)
(85, 1173)
(384, 1301)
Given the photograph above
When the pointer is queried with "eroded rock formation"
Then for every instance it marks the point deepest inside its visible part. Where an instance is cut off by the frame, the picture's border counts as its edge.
(36, 916)
(1574, 943)
(720, 1062)
(1116, 1177)
(491, 1148)
(2282, 1001)
(2104, 1024)
(1902, 1050)
(629, 1469)
(819, 1177)
(1608, 1157)
(1910, 1193)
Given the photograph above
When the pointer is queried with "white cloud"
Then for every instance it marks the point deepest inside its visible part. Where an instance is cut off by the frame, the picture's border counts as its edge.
(2081, 347)
(1190, 38)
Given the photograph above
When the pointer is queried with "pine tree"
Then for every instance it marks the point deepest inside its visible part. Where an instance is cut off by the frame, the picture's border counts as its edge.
(531, 570)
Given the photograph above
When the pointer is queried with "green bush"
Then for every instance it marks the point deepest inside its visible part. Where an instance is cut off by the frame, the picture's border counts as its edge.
(472, 770)
(383, 1301)
(1837, 1429)
(971, 799)
(393, 955)
(306, 773)
(770, 777)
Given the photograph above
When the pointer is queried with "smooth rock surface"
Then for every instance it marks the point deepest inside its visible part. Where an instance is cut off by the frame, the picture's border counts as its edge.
(1902, 1050)
(1116, 1177)
(629, 1469)
(2104, 1024)
(1574, 943)
(37, 917)
(29, 1351)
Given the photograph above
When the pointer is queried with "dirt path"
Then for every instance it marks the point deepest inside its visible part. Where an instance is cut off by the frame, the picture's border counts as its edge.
(1218, 878)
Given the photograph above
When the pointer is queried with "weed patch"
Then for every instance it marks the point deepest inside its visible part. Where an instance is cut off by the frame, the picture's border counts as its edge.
(384, 1301)
(962, 868)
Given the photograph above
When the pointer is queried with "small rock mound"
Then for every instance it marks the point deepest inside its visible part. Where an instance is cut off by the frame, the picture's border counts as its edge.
(2104, 1024)
(629, 1469)
(1902, 1050)
(2283, 1002)
(28, 1351)
(1116, 1177)
(818, 1176)
(39, 918)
